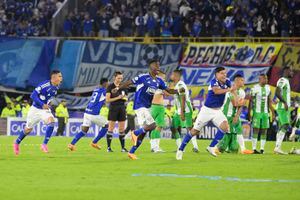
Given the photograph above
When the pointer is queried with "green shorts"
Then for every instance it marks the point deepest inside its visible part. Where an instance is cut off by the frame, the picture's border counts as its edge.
(261, 120)
(284, 116)
(235, 128)
(177, 122)
(158, 114)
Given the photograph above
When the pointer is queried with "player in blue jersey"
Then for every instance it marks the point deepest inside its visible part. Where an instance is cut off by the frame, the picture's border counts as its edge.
(92, 115)
(211, 111)
(146, 85)
(40, 110)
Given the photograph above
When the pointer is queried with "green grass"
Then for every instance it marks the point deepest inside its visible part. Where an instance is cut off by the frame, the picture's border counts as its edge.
(91, 174)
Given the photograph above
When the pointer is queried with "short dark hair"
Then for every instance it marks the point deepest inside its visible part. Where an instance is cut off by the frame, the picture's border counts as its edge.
(286, 68)
(103, 80)
(218, 69)
(152, 61)
(237, 76)
(117, 73)
(55, 71)
(263, 74)
(178, 71)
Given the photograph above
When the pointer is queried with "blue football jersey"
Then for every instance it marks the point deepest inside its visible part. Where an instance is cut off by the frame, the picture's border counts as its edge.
(43, 94)
(216, 100)
(145, 89)
(96, 102)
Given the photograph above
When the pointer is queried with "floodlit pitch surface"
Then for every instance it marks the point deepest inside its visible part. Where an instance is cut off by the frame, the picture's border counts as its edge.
(91, 174)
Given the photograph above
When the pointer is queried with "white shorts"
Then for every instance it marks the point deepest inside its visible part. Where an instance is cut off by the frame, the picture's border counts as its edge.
(35, 115)
(208, 114)
(88, 119)
(144, 116)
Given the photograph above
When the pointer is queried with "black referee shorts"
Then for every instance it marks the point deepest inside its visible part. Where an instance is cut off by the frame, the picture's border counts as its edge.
(117, 113)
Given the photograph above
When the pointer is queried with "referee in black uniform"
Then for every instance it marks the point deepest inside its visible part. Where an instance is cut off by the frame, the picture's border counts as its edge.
(117, 111)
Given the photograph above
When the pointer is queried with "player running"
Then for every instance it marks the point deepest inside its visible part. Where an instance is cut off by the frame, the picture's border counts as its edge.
(183, 116)
(92, 115)
(211, 111)
(232, 109)
(283, 93)
(158, 114)
(146, 86)
(259, 106)
(40, 110)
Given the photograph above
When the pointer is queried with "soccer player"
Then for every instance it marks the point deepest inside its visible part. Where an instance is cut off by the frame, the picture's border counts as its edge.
(183, 116)
(260, 105)
(92, 115)
(232, 109)
(146, 86)
(158, 114)
(40, 109)
(117, 111)
(211, 111)
(283, 93)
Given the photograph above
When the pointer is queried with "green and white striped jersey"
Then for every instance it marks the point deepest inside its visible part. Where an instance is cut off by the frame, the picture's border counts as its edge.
(177, 99)
(284, 85)
(260, 97)
(228, 109)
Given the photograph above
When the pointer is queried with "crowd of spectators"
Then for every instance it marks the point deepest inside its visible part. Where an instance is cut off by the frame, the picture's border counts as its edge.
(27, 17)
(193, 18)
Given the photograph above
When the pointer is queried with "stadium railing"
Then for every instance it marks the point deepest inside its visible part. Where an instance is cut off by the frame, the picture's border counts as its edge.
(176, 40)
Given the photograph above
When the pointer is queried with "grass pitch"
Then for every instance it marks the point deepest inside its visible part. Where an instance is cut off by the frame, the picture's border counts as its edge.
(91, 174)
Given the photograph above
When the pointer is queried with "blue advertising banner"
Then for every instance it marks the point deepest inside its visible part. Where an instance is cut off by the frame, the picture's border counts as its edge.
(103, 58)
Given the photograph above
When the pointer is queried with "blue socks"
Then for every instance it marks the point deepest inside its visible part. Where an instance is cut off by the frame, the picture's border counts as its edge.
(139, 131)
(219, 135)
(49, 132)
(185, 141)
(134, 148)
(100, 135)
(77, 137)
(20, 138)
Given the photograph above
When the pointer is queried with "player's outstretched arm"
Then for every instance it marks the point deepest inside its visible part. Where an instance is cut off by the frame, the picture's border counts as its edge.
(123, 85)
(249, 108)
(172, 91)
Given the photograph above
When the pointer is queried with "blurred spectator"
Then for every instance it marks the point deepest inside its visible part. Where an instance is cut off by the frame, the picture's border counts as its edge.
(140, 24)
(87, 26)
(25, 108)
(115, 24)
(8, 111)
(68, 26)
(151, 23)
(103, 25)
(62, 115)
(196, 28)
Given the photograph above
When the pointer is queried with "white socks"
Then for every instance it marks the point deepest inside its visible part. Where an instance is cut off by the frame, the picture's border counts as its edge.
(254, 142)
(262, 144)
(178, 142)
(241, 142)
(279, 138)
(194, 142)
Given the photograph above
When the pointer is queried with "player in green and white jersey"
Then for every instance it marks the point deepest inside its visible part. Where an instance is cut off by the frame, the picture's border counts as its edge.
(232, 109)
(183, 117)
(283, 93)
(259, 106)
